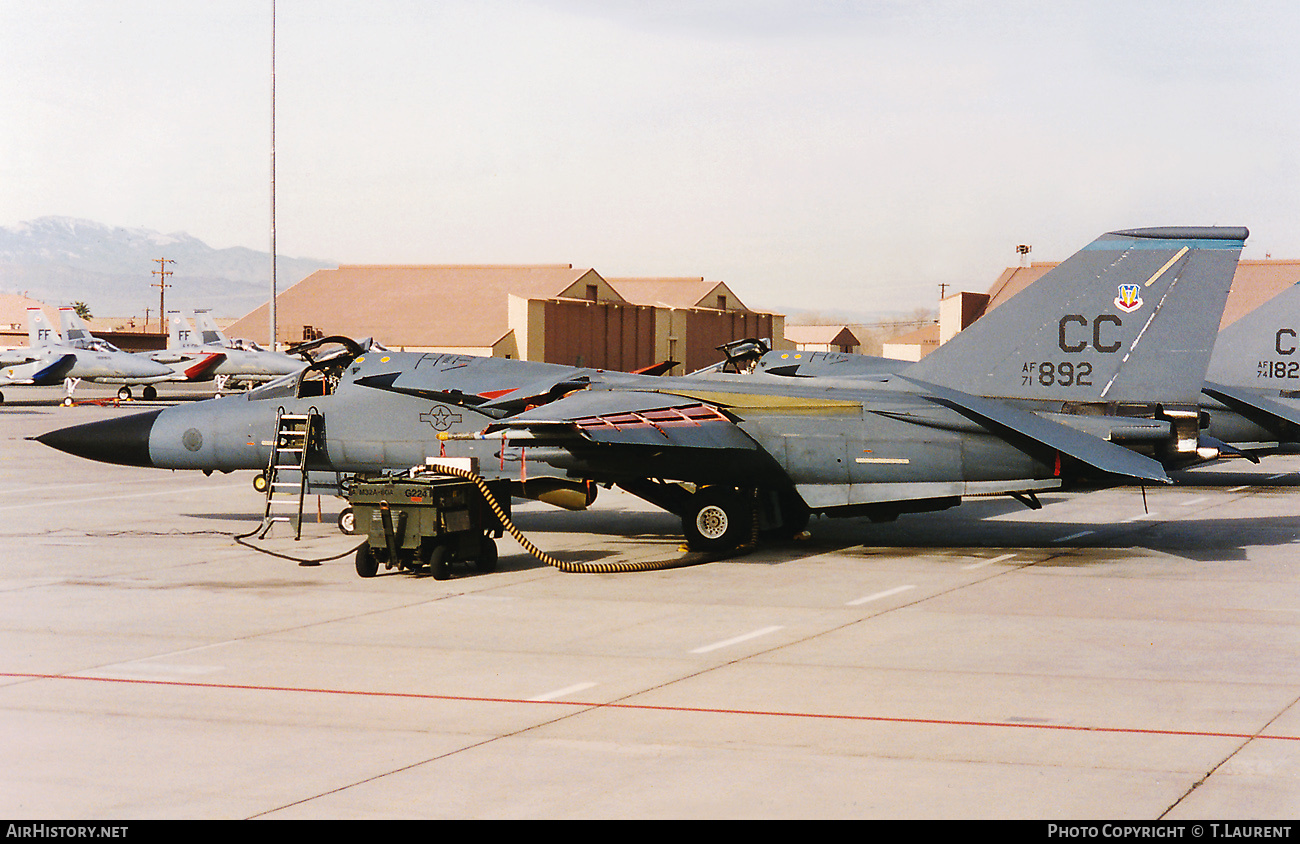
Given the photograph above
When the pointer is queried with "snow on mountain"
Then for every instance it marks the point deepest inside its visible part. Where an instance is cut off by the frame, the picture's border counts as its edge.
(62, 260)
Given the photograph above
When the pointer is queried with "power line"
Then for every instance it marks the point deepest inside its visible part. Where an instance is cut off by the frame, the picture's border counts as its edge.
(162, 272)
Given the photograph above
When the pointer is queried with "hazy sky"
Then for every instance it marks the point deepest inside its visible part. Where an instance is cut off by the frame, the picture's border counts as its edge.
(814, 155)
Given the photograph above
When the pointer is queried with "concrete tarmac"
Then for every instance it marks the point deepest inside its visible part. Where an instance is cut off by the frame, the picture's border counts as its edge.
(1104, 657)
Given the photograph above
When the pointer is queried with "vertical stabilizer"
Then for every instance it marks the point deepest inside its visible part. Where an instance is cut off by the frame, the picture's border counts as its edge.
(39, 330)
(210, 334)
(1132, 317)
(180, 334)
(1262, 349)
(74, 328)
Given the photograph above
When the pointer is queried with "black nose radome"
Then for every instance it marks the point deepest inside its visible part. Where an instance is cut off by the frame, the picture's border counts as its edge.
(124, 440)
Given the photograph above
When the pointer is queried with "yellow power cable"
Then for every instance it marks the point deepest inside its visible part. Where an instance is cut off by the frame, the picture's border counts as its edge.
(587, 568)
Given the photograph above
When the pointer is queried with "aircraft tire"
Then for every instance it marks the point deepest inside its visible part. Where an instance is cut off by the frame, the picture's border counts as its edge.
(150, 393)
(367, 564)
(347, 521)
(67, 401)
(438, 562)
(487, 556)
(717, 520)
(124, 393)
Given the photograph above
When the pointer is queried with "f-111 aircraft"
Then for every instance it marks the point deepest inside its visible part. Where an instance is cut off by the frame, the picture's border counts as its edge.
(1252, 389)
(1092, 372)
(1250, 400)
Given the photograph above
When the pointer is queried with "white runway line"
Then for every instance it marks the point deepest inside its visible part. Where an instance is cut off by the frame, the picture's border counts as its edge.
(876, 597)
(564, 692)
(735, 640)
(982, 563)
(1193, 501)
(1074, 536)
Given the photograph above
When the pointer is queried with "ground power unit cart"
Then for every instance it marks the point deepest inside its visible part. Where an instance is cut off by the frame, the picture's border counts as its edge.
(426, 520)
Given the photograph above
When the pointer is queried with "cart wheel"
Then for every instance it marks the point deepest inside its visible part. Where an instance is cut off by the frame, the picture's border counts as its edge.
(367, 565)
(260, 482)
(487, 556)
(124, 393)
(438, 562)
(348, 521)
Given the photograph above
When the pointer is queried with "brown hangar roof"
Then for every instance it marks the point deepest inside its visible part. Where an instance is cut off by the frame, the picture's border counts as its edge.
(677, 292)
(822, 335)
(1256, 281)
(459, 305)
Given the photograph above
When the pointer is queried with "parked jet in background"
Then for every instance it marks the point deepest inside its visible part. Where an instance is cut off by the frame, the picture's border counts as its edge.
(1094, 371)
(41, 367)
(1253, 383)
(75, 355)
(209, 356)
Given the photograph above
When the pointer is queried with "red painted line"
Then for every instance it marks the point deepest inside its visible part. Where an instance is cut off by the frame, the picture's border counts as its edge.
(704, 710)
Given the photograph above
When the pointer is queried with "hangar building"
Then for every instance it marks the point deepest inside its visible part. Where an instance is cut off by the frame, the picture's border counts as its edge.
(554, 313)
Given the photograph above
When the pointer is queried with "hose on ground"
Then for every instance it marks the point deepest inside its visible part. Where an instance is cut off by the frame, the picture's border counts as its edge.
(690, 559)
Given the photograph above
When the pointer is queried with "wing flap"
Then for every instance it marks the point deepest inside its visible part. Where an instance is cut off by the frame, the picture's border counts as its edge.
(633, 417)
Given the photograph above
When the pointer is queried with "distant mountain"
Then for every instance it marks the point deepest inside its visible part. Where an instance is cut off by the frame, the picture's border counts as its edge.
(61, 260)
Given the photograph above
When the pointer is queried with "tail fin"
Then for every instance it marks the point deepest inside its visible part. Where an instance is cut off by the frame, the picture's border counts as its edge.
(1262, 349)
(1132, 317)
(74, 329)
(179, 332)
(211, 335)
(39, 330)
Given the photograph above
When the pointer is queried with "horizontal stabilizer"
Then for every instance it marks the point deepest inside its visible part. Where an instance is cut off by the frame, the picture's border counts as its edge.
(1207, 441)
(1098, 453)
(1257, 408)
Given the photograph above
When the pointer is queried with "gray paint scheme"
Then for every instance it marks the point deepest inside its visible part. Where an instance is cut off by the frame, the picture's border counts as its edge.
(984, 418)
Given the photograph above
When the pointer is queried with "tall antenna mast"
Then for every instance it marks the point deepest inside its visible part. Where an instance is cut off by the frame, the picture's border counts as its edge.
(273, 290)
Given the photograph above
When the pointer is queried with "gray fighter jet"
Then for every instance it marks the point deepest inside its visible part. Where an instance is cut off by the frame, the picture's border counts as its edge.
(1251, 397)
(76, 355)
(41, 367)
(1252, 388)
(1093, 372)
(209, 356)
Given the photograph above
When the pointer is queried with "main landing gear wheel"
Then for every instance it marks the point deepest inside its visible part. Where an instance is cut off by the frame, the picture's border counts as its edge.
(717, 519)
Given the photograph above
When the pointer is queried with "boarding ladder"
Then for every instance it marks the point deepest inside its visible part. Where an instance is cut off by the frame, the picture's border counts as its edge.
(296, 434)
